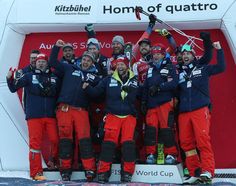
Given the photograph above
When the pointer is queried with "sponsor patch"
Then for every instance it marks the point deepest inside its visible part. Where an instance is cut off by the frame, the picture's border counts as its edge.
(53, 80)
(34, 80)
(113, 84)
(164, 71)
(196, 72)
(76, 73)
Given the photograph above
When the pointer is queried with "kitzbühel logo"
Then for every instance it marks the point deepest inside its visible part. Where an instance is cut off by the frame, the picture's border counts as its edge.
(72, 10)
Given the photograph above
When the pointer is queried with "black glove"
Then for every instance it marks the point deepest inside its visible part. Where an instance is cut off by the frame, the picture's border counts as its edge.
(18, 74)
(186, 77)
(46, 91)
(90, 30)
(205, 36)
(126, 88)
(143, 107)
(153, 90)
(152, 20)
(100, 132)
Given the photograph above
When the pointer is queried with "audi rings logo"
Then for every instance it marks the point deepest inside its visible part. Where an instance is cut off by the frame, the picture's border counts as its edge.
(72, 10)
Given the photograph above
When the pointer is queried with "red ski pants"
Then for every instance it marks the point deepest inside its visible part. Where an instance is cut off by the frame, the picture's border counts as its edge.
(158, 117)
(36, 128)
(194, 134)
(69, 119)
(118, 128)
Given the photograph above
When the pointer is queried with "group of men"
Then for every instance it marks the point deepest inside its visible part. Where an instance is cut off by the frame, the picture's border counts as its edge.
(71, 84)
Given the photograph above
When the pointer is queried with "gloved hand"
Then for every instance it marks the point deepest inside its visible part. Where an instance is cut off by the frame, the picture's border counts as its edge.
(165, 33)
(154, 90)
(89, 27)
(126, 88)
(90, 30)
(46, 91)
(10, 74)
(152, 20)
(18, 74)
(143, 108)
(205, 36)
(100, 132)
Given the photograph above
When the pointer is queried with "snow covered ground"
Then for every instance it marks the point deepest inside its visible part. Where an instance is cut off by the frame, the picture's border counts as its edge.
(21, 178)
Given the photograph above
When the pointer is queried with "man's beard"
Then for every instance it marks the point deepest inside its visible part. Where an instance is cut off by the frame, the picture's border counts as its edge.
(144, 52)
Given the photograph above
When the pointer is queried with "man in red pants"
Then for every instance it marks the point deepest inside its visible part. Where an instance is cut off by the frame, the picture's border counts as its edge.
(121, 90)
(194, 117)
(158, 92)
(72, 113)
(41, 87)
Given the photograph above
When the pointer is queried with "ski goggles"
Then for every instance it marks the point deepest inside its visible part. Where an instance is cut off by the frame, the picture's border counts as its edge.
(158, 49)
(187, 48)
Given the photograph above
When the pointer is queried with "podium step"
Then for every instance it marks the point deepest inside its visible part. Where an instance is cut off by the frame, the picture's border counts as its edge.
(143, 174)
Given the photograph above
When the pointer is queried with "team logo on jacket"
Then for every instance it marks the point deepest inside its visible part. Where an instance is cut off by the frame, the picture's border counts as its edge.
(197, 73)
(104, 63)
(76, 73)
(53, 80)
(34, 80)
(149, 72)
(113, 83)
(133, 84)
(164, 72)
(181, 77)
(90, 77)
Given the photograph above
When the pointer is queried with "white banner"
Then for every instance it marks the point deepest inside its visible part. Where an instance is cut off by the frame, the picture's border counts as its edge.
(44, 11)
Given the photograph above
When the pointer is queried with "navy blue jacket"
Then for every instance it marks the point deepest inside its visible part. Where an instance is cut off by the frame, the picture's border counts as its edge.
(118, 102)
(73, 79)
(194, 83)
(41, 89)
(27, 69)
(163, 76)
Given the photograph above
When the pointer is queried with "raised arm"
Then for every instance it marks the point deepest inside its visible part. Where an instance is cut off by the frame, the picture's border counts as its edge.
(146, 34)
(53, 60)
(207, 55)
(15, 84)
(220, 66)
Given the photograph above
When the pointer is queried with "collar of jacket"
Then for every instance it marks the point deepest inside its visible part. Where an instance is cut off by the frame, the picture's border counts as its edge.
(38, 71)
(115, 56)
(158, 64)
(190, 66)
(72, 61)
(91, 69)
(117, 77)
(31, 67)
